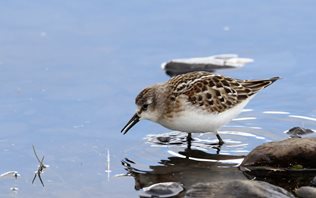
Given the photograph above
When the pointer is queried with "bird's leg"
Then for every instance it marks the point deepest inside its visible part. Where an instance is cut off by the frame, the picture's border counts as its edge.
(217, 148)
(189, 140)
(189, 137)
(220, 141)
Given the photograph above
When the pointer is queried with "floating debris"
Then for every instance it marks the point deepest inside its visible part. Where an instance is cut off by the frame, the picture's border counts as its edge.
(165, 189)
(10, 174)
(211, 63)
(40, 169)
(14, 189)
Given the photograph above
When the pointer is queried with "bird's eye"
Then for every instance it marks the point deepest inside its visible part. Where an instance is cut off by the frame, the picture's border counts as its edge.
(145, 106)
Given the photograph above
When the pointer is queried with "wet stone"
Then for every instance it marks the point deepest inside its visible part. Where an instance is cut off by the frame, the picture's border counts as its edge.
(237, 189)
(210, 64)
(284, 154)
(306, 192)
(313, 182)
(284, 163)
(298, 131)
(165, 189)
(170, 138)
(164, 139)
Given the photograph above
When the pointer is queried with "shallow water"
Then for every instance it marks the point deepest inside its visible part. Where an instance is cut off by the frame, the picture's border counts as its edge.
(70, 71)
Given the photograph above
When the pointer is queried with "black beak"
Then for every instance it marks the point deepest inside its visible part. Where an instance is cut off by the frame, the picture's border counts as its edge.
(130, 124)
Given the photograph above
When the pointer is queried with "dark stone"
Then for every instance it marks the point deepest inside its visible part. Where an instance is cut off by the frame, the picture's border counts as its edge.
(164, 139)
(298, 131)
(165, 189)
(289, 153)
(286, 163)
(237, 189)
(306, 192)
(210, 64)
(287, 179)
(313, 182)
(175, 68)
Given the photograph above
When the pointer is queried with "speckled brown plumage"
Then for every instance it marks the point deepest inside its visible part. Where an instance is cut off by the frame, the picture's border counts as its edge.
(195, 102)
(211, 92)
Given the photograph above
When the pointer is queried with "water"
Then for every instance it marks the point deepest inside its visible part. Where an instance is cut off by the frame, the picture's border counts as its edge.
(69, 73)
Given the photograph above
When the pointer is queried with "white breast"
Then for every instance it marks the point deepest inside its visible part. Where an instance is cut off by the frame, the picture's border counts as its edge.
(194, 120)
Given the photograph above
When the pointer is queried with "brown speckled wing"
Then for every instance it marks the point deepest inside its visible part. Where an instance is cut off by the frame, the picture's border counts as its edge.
(214, 93)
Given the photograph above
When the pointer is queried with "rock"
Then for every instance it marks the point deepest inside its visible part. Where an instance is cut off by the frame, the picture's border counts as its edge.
(164, 139)
(306, 192)
(285, 163)
(237, 189)
(170, 138)
(313, 182)
(289, 153)
(164, 189)
(287, 179)
(298, 131)
(210, 64)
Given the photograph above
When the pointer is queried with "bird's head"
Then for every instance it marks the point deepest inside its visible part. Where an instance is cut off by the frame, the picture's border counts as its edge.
(146, 102)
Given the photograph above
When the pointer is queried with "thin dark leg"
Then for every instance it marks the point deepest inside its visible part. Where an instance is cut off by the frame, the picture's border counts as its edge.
(220, 141)
(217, 148)
(189, 140)
(189, 137)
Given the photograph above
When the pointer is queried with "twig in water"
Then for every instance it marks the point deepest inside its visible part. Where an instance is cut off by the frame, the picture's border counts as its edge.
(40, 168)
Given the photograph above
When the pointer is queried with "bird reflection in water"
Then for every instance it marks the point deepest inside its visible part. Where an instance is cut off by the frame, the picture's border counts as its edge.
(181, 139)
(187, 167)
(215, 146)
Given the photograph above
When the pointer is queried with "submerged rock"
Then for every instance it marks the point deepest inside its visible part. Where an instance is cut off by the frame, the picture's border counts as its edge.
(164, 189)
(306, 192)
(285, 163)
(298, 131)
(237, 189)
(294, 153)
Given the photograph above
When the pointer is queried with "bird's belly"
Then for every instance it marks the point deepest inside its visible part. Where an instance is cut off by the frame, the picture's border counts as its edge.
(193, 120)
(193, 123)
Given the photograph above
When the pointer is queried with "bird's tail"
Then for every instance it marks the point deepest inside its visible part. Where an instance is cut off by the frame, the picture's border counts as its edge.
(256, 85)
